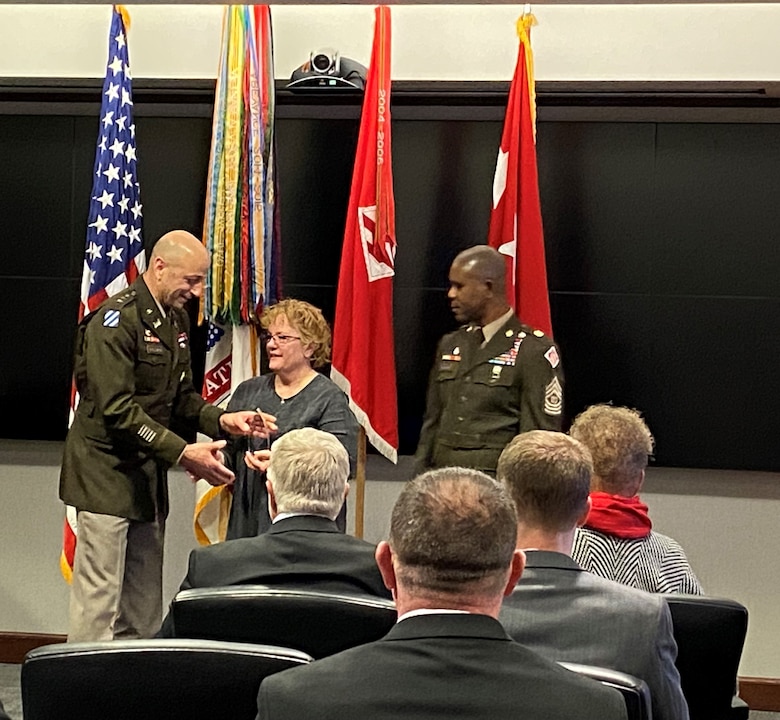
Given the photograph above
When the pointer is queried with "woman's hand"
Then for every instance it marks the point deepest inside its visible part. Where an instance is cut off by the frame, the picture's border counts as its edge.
(258, 460)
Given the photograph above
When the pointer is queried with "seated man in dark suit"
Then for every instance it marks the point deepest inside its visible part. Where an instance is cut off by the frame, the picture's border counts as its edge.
(307, 485)
(559, 609)
(450, 559)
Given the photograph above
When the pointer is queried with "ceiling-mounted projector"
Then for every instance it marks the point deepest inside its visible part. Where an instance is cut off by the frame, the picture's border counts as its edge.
(326, 70)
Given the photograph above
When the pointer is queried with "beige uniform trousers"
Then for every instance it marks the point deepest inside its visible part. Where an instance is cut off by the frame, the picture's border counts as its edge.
(116, 590)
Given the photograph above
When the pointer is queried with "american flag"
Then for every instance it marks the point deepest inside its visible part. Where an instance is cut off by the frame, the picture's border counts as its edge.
(114, 255)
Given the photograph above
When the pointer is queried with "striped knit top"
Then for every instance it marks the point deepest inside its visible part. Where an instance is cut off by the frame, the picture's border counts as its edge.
(655, 563)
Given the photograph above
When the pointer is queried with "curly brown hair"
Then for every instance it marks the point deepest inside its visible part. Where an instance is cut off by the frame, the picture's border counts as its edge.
(308, 321)
(619, 441)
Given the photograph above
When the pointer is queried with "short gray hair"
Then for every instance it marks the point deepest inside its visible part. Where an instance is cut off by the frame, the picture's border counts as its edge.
(309, 470)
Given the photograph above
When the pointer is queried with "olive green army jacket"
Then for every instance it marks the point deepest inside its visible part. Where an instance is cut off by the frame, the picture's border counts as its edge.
(479, 398)
(132, 372)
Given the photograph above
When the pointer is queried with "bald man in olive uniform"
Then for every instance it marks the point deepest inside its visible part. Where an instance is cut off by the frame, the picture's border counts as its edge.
(132, 372)
(494, 377)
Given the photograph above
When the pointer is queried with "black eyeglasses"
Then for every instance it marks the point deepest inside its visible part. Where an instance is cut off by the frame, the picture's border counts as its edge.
(278, 338)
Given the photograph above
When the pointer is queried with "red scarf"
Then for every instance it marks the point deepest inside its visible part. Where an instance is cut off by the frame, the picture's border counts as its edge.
(619, 516)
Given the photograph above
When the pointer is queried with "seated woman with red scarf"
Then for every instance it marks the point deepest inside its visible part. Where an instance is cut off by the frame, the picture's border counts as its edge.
(617, 541)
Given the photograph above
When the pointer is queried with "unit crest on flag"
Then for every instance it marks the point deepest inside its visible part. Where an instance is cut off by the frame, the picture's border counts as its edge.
(379, 257)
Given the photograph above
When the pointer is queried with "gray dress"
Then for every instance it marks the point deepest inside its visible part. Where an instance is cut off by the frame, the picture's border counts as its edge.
(321, 405)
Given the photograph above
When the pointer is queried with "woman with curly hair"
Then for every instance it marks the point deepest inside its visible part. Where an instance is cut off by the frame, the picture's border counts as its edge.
(297, 341)
(618, 541)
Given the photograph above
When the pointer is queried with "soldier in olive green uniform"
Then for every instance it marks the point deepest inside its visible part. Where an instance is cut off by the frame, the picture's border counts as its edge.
(493, 378)
(132, 372)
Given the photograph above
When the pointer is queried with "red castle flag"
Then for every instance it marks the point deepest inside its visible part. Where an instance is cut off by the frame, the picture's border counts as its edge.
(363, 348)
(516, 216)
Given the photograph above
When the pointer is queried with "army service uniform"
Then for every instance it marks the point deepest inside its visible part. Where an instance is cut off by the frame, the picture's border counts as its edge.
(479, 398)
(132, 372)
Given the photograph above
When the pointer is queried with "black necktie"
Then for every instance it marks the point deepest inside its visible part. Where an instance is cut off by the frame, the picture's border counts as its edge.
(479, 336)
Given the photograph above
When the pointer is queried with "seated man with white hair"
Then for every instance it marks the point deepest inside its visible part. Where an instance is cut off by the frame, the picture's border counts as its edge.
(307, 485)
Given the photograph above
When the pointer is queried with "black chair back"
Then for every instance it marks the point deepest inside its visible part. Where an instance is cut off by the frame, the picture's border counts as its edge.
(317, 623)
(131, 679)
(710, 634)
(635, 692)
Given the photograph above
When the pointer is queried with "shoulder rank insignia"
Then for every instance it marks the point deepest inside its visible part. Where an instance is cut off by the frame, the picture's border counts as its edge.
(553, 397)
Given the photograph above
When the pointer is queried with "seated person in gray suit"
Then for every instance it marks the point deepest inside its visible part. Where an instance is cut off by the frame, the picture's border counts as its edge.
(450, 559)
(559, 609)
(307, 484)
(617, 540)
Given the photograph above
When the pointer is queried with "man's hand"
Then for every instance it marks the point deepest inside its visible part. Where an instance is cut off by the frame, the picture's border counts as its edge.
(204, 460)
(249, 422)
(258, 460)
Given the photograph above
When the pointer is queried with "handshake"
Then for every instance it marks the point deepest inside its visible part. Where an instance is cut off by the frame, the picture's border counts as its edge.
(204, 460)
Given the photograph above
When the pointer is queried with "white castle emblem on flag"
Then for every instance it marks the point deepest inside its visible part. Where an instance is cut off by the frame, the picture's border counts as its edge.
(379, 257)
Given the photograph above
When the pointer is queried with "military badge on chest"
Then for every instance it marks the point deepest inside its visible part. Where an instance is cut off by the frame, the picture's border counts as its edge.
(509, 357)
(152, 343)
(454, 356)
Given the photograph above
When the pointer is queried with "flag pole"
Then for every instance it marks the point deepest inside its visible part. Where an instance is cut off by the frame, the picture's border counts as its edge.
(360, 482)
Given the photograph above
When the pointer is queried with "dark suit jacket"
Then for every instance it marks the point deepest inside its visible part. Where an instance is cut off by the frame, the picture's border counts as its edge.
(303, 551)
(570, 615)
(437, 666)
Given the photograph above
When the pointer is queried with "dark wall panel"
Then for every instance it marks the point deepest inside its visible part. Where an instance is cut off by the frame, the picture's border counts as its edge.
(597, 187)
(699, 368)
(716, 198)
(661, 246)
(35, 356)
(315, 171)
(173, 161)
(36, 159)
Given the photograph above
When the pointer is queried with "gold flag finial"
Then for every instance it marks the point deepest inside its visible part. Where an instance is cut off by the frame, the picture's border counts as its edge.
(122, 10)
